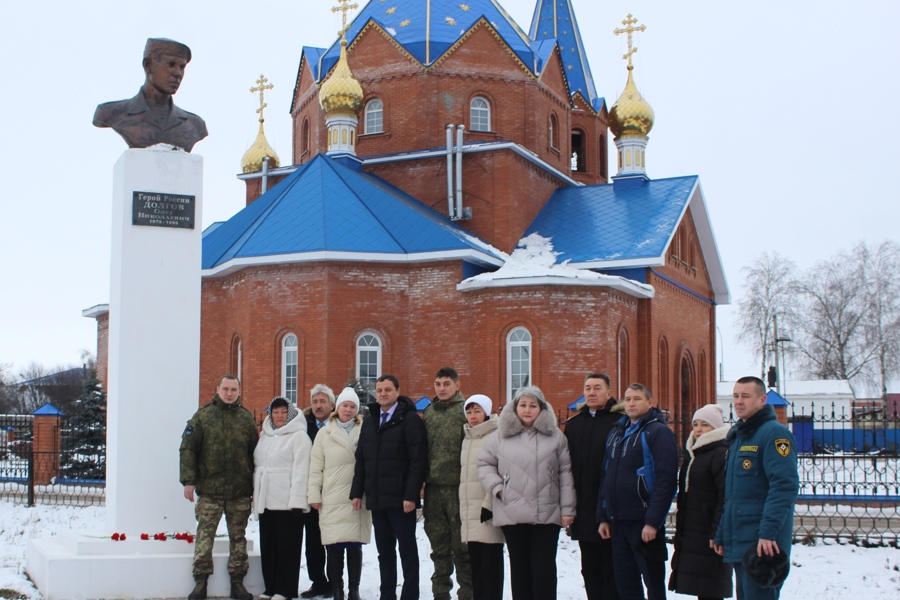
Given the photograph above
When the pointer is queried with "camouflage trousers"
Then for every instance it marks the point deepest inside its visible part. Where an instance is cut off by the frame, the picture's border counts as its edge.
(209, 512)
(443, 527)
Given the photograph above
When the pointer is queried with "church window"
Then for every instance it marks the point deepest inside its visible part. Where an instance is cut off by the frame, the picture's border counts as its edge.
(518, 361)
(368, 358)
(578, 158)
(289, 367)
(663, 391)
(622, 375)
(236, 356)
(304, 138)
(479, 114)
(602, 157)
(374, 116)
(554, 132)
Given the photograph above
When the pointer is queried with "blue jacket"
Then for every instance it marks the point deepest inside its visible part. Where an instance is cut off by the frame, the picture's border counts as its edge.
(761, 484)
(641, 472)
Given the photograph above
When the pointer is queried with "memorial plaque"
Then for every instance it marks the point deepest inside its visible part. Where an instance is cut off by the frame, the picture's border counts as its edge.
(154, 209)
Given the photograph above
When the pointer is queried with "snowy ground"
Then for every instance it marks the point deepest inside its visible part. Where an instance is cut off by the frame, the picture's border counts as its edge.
(827, 571)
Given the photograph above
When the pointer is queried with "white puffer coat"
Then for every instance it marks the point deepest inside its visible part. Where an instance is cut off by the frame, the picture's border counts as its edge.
(281, 470)
(472, 497)
(528, 472)
(330, 476)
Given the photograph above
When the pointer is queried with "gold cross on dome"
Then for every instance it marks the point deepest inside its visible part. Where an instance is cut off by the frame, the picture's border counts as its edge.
(343, 8)
(261, 87)
(629, 29)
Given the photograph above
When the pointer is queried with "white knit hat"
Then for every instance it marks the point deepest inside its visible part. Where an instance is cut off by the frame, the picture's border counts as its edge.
(347, 395)
(481, 400)
(712, 414)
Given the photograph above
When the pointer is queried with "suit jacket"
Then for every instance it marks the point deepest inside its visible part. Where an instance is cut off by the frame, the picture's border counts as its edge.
(134, 121)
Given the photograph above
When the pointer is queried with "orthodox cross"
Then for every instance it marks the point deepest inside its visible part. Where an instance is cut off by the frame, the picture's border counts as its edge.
(343, 8)
(261, 87)
(629, 29)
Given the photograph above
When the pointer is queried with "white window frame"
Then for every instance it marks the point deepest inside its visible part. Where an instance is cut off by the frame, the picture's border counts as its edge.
(374, 116)
(289, 367)
(516, 340)
(367, 338)
(479, 114)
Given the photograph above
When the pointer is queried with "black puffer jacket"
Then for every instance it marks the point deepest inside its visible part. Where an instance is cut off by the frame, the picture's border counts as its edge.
(587, 448)
(696, 569)
(391, 460)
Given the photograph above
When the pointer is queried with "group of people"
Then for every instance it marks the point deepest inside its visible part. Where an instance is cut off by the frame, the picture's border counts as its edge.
(491, 480)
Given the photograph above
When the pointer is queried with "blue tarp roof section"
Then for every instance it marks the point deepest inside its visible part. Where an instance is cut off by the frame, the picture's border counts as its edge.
(47, 410)
(775, 399)
(407, 21)
(599, 223)
(555, 19)
(326, 206)
(423, 403)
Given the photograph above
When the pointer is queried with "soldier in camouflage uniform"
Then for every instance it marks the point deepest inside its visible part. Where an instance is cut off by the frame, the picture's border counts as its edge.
(445, 422)
(217, 464)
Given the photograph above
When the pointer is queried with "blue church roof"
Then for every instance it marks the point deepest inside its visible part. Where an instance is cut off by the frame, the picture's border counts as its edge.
(555, 19)
(330, 209)
(775, 399)
(625, 225)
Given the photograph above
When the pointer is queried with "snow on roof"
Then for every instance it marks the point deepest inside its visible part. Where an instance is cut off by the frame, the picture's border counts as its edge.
(791, 389)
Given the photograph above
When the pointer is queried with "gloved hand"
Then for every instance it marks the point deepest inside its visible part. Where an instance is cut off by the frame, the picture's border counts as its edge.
(486, 515)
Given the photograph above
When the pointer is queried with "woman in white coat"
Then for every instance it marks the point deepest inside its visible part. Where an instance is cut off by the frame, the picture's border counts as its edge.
(331, 474)
(485, 542)
(280, 480)
(526, 468)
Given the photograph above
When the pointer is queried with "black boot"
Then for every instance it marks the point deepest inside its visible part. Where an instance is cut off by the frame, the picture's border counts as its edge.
(199, 592)
(238, 591)
(354, 572)
(335, 566)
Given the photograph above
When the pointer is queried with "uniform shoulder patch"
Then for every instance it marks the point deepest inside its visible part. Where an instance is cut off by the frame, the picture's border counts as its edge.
(188, 430)
(783, 446)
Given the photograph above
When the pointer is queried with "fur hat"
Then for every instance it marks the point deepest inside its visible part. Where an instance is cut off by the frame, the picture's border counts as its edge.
(481, 400)
(347, 395)
(766, 571)
(712, 414)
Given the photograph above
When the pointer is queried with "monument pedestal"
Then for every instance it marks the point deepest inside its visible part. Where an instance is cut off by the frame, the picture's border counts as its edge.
(154, 365)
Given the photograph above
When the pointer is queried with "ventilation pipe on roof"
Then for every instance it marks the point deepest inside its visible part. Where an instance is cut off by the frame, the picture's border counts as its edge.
(265, 175)
(450, 210)
(459, 189)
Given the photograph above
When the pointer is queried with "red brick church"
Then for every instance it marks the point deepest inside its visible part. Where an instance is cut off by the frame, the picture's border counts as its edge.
(449, 202)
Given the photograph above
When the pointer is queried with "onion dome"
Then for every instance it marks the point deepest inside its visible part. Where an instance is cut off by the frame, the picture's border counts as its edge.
(341, 93)
(631, 115)
(253, 157)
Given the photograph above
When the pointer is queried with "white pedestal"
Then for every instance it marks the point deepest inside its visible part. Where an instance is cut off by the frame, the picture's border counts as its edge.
(85, 566)
(154, 364)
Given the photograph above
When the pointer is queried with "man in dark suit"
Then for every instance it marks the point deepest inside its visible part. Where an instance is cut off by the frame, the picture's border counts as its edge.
(151, 117)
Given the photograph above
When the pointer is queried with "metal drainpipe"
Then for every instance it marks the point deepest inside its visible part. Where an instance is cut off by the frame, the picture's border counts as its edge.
(265, 175)
(450, 212)
(459, 188)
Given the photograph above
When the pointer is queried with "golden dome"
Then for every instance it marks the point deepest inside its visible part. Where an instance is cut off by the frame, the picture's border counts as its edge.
(631, 115)
(253, 157)
(341, 93)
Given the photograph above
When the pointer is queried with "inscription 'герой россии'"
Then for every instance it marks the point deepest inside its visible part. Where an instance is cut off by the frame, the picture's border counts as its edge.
(156, 209)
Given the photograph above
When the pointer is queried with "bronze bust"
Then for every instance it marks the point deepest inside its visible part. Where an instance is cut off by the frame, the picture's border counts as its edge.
(151, 117)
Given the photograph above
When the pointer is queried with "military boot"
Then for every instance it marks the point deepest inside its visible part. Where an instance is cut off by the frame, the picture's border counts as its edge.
(238, 591)
(354, 572)
(199, 592)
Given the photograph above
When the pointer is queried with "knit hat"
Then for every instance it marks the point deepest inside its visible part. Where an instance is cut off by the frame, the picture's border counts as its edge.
(712, 414)
(347, 395)
(766, 571)
(481, 400)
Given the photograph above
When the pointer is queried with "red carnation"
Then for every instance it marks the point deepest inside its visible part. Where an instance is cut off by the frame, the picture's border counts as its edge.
(122, 537)
(190, 539)
(115, 537)
(144, 536)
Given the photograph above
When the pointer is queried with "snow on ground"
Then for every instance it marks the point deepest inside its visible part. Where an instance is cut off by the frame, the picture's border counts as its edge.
(826, 571)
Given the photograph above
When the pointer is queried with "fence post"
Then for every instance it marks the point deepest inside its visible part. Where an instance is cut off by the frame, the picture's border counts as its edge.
(45, 445)
(31, 477)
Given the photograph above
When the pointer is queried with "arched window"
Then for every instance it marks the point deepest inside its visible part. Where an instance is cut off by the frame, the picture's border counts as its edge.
(479, 114)
(289, 367)
(602, 157)
(518, 361)
(663, 392)
(368, 358)
(236, 356)
(304, 138)
(578, 157)
(374, 116)
(622, 374)
(554, 132)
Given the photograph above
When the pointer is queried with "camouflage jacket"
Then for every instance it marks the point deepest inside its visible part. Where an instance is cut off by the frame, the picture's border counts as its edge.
(444, 425)
(217, 450)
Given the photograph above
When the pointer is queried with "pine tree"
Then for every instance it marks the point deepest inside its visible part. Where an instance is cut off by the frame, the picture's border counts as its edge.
(84, 435)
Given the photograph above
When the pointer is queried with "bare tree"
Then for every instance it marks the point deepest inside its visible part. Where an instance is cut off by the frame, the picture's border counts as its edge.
(880, 270)
(767, 292)
(8, 399)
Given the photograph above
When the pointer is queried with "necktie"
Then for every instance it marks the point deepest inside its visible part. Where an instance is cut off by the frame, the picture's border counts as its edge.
(384, 417)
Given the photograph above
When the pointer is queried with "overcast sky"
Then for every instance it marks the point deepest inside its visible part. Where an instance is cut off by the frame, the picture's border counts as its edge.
(786, 110)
